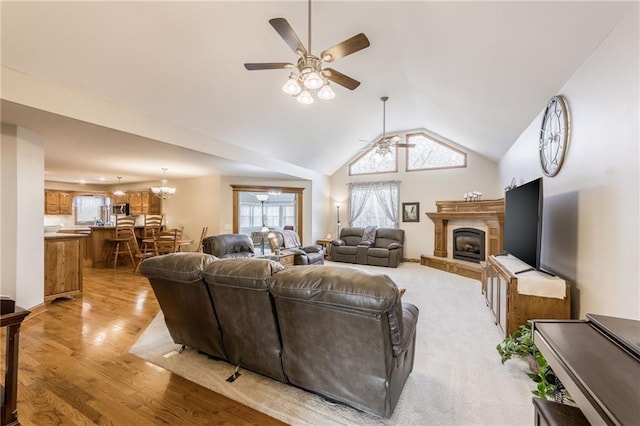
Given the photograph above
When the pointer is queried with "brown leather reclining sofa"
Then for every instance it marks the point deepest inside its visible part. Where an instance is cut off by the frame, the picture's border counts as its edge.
(364, 246)
(338, 332)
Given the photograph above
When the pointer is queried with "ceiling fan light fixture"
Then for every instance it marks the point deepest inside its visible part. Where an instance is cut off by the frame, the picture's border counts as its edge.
(305, 98)
(312, 80)
(292, 87)
(326, 92)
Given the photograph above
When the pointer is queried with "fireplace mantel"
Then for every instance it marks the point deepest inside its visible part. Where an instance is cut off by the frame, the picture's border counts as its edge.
(491, 212)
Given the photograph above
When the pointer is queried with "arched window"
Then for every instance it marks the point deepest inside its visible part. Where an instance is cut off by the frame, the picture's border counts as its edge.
(430, 153)
(370, 162)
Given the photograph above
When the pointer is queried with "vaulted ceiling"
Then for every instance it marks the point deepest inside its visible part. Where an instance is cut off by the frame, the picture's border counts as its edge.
(477, 73)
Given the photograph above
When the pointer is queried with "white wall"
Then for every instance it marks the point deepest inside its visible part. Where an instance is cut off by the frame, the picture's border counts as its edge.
(425, 187)
(196, 204)
(591, 214)
(21, 228)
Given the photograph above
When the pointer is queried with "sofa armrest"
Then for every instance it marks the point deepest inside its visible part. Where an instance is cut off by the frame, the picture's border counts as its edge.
(312, 249)
(364, 244)
(338, 243)
(409, 321)
(394, 246)
(295, 250)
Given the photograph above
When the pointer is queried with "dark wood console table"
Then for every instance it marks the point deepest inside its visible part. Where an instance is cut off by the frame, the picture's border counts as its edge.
(8, 413)
(598, 361)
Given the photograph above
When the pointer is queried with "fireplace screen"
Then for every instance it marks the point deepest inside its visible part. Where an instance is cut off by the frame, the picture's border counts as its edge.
(468, 244)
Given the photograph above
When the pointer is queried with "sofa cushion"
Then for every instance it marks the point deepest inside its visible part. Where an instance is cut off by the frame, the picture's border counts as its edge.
(351, 236)
(185, 267)
(240, 291)
(338, 287)
(345, 249)
(378, 252)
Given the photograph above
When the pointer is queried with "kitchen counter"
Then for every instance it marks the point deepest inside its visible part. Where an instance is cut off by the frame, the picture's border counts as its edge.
(62, 264)
(61, 235)
(100, 245)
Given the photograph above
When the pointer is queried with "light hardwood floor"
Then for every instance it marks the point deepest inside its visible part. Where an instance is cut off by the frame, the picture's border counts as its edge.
(75, 368)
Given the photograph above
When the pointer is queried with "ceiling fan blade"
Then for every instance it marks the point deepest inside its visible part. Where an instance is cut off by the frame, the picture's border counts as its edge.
(290, 37)
(347, 47)
(405, 145)
(268, 66)
(341, 79)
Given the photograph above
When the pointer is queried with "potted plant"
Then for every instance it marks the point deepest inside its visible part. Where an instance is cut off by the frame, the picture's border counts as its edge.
(520, 344)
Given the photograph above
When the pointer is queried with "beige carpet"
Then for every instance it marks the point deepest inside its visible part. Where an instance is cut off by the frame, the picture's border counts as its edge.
(457, 377)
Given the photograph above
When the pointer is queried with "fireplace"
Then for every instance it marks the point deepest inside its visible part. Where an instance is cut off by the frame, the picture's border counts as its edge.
(468, 244)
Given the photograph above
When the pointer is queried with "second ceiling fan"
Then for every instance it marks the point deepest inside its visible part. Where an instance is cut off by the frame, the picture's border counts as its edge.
(308, 72)
(383, 146)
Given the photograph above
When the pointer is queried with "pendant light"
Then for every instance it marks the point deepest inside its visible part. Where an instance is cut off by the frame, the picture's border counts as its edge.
(119, 192)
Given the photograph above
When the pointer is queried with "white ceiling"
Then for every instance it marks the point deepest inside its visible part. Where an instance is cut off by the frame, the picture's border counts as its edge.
(476, 73)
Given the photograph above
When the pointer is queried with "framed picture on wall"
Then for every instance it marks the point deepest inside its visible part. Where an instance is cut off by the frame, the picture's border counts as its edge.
(411, 212)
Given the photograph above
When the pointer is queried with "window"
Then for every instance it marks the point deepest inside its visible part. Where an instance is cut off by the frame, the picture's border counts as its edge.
(282, 208)
(429, 153)
(369, 162)
(374, 204)
(90, 209)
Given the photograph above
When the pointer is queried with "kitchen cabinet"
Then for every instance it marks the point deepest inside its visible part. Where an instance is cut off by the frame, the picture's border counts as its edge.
(135, 202)
(144, 202)
(116, 199)
(57, 202)
(62, 265)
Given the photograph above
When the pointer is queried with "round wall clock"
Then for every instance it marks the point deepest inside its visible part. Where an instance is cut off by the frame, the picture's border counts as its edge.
(554, 136)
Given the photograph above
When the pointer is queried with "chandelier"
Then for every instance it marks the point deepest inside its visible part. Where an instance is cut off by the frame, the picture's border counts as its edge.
(163, 191)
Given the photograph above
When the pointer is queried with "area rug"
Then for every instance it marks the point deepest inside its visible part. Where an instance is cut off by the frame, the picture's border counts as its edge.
(457, 379)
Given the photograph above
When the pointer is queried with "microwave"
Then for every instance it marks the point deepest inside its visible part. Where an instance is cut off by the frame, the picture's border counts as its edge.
(120, 209)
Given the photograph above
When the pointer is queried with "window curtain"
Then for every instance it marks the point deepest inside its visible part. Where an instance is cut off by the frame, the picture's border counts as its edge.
(358, 195)
(375, 203)
(387, 196)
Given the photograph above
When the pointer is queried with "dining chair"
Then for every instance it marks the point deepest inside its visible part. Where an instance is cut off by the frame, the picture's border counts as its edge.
(165, 242)
(140, 255)
(203, 234)
(153, 224)
(122, 242)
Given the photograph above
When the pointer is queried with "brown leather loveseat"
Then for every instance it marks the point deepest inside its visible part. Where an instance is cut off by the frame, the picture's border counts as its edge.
(369, 246)
(338, 332)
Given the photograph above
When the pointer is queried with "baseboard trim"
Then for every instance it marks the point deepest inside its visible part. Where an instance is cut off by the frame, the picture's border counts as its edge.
(36, 310)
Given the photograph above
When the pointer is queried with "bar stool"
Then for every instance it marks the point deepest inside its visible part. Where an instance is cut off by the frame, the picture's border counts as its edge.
(124, 232)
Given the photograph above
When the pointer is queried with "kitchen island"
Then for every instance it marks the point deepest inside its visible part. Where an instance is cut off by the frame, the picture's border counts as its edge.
(62, 265)
(99, 243)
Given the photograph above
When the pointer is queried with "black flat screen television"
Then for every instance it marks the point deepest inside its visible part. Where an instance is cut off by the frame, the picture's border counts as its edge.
(523, 222)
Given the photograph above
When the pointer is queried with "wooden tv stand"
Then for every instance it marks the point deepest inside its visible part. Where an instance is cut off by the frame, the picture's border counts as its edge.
(512, 308)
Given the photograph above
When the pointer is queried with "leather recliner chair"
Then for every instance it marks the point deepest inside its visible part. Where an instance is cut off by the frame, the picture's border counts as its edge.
(290, 240)
(228, 245)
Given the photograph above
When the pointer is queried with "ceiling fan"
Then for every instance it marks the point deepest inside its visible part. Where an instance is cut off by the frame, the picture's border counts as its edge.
(383, 146)
(308, 73)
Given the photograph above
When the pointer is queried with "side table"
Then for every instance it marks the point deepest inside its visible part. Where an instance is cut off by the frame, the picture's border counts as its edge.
(326, 245)
(286, 258)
